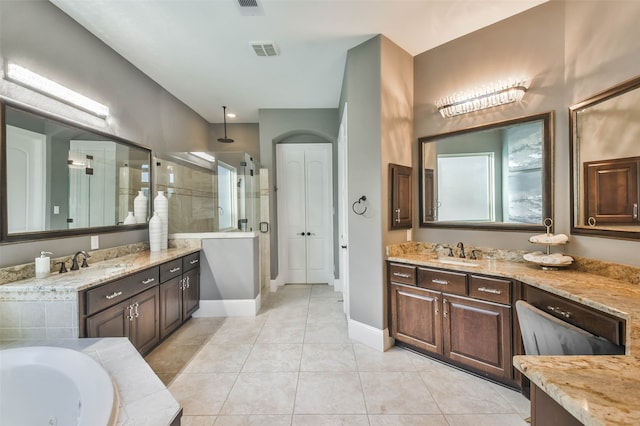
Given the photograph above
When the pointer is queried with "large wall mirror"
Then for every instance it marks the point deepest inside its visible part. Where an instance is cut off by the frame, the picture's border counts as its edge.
(495, 176)
(605, 134)
(61, 179)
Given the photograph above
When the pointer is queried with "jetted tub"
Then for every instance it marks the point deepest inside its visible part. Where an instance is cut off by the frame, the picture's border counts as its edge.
(43, 385)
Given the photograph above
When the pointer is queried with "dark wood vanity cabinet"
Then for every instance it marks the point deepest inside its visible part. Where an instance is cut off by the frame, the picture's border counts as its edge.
(612, 191)
(400, 194)
(145, 306)
(461, 318)
(179, 292)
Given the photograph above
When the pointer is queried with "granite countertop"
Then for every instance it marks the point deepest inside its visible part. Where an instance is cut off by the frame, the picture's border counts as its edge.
(68, 284)
(597, 390)
(143, 399)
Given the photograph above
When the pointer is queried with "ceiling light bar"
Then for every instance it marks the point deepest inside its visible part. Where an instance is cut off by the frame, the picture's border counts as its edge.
(41, 84)
(207, 157)
(499, 93)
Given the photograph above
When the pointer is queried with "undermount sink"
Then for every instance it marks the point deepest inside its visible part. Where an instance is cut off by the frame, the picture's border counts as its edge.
(457, 262)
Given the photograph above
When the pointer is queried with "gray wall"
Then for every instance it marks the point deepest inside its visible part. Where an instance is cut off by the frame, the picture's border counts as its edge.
(229, 269)
(292, 126)
(571, 50)
(39, 36)
(246, 138)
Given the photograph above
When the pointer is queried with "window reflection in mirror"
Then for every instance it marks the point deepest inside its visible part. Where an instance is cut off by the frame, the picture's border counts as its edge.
(606, 163)
(493, 176)
(62, 178)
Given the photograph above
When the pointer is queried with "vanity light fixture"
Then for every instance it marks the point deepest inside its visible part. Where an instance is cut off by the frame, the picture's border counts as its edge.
(499, 93)
(30, 79)
(207, 157)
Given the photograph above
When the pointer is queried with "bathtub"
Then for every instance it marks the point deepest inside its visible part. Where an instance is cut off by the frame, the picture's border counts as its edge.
(43, 385)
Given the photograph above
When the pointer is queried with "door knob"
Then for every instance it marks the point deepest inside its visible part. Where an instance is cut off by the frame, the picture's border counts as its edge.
(302, 233)
(308, 233)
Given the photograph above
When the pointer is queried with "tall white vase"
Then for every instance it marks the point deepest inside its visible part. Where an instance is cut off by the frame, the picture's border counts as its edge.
(140, 206)
(155, 233)
(161, 208)
(130, 219)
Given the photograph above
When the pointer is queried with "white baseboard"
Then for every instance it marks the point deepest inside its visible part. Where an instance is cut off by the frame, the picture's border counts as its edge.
(370, 336)
(337, 284)
(228, 308)
(276, 283)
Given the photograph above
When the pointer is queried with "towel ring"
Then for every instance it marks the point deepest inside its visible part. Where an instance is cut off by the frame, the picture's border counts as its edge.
(358, 202)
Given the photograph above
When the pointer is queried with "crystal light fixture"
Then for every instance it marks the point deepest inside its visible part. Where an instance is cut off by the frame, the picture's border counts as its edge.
(499, 93)
(30, 79)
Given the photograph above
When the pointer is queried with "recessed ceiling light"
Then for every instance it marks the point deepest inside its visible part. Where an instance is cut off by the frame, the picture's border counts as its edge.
(231, 115)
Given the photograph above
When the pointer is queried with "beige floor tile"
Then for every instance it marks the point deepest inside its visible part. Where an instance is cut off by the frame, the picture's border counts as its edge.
(274, 357)
(330, 420)
(281, 332)
(329, 393)
(196, 331)
(457, 392)
(238, 331)
(168, 358)
(254, 420)
(262, 393)
(485, 420)
(394, 359)
(325, 291)
(202, 394)
(328, 357)
(407, 420)
(396, 393)
(292, 316)
(197, 420)
(518, 401)
(214, 358)
(326, 332)
(327, 310)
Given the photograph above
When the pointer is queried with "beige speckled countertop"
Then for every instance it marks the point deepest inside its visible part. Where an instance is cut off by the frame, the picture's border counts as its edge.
(65, 286)
(597, 390)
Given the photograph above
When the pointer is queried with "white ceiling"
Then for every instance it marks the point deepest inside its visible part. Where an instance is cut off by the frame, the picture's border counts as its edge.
(199, 49)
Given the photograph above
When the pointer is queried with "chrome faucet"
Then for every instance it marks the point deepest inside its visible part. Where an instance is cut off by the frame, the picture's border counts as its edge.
(74, 262)
(461, 247)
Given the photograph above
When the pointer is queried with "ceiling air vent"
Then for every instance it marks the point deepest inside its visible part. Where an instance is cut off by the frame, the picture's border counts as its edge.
(265, 48)
(250, 7)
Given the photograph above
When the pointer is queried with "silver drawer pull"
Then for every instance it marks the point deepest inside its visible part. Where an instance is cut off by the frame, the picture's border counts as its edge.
(194, 261)
(490, 290)
(401, 275)
(442, 282)
(114, 295)
(149, 281)
(559, 311)
(174, 269)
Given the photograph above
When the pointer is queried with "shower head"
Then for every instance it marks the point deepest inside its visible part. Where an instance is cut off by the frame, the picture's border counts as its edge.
(224, 116)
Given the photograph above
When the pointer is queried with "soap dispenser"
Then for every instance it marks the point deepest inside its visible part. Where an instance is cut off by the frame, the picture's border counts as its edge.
(43, 264)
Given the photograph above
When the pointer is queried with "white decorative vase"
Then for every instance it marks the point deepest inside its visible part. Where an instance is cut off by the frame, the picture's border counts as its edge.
(140, 205)
(155, 233)
(161, 208)
(130, 219)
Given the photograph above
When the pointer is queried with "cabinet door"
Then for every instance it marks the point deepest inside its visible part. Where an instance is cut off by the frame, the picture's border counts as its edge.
(415, 317)
(478, 334)
(611, 189)
(170, 306)
(112, 322)
(145, 330)
(191, 293)
(400, 194)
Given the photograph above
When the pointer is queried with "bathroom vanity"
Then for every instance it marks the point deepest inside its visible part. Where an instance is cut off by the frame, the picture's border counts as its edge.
(461, 311)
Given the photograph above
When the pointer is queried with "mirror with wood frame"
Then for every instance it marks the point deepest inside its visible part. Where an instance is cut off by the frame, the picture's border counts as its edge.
(605, 161)
(496, 176)
(60, 178)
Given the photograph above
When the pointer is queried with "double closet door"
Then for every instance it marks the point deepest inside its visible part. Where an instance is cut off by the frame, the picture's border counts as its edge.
(305, 212)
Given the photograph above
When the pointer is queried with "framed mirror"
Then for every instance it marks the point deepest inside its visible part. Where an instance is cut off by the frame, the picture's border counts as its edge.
(605, 163)
(496, 176)
(59, 178)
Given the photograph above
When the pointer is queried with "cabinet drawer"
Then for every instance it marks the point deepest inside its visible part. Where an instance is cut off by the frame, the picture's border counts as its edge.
(491, 289)
(191, 261)
(170, 270)
(114, 292)
(402, 273)
(582, 316)
(447, 282)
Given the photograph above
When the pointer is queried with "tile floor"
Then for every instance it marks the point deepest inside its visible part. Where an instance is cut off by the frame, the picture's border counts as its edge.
(294, 364)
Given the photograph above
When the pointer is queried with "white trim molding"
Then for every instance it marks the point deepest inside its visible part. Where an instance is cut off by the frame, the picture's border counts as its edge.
(276, 283)
(370, 336)
(228, 308)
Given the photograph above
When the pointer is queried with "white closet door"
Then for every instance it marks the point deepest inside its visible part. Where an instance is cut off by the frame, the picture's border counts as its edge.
(305, 212)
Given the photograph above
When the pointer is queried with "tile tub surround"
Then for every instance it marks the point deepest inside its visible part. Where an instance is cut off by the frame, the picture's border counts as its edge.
(143, 399)
(47, 308)
(597, 390)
